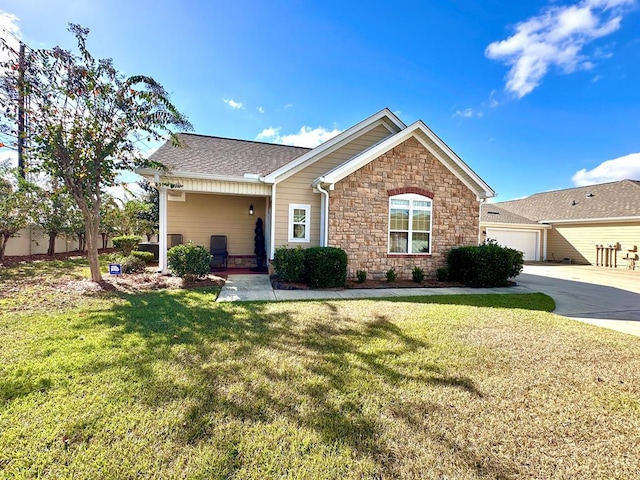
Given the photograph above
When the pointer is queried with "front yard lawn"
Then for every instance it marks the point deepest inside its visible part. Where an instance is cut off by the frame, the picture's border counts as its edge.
(169, 384)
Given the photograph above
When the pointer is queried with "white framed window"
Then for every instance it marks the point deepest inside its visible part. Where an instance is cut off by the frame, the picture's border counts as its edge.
(299, 222)
(410, 224)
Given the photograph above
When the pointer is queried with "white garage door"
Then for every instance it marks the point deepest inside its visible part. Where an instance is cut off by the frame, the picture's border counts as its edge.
(524, 240)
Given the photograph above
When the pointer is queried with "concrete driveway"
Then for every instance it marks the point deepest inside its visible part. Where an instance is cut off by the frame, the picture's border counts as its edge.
(605, 297)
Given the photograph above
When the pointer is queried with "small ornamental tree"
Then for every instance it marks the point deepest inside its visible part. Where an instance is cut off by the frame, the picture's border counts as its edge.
(259, 246)
(56, 206)
(85, 119)
(18, 205)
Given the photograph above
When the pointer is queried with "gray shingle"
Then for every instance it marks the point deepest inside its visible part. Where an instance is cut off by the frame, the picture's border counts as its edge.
(205, 155)
(606, 200)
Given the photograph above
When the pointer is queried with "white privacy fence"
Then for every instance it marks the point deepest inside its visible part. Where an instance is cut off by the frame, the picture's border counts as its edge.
(32, 241)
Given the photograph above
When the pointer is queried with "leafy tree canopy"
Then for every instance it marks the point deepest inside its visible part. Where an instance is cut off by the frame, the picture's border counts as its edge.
(86, 120)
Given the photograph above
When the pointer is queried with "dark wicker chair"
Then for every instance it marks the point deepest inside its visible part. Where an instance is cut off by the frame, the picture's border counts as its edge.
(218, 251)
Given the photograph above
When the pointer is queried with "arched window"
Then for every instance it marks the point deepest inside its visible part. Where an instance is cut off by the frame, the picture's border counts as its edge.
(410, 224)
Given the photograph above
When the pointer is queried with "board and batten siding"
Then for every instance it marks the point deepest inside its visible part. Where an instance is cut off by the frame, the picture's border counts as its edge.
(202, 215)
(578, 241)
(297, 188)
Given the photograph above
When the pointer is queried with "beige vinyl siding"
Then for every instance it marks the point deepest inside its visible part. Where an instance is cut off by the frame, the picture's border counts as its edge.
(297, 188)
(578, 241)
(202, 215)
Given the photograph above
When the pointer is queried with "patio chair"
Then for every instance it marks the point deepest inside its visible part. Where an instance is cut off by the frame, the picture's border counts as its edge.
(218, 251)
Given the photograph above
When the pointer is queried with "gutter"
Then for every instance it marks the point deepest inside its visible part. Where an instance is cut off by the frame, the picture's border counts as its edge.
(325, 215)
(593, 220)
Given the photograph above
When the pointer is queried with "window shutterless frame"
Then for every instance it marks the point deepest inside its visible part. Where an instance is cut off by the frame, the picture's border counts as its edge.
(299, 223)
(410, 224)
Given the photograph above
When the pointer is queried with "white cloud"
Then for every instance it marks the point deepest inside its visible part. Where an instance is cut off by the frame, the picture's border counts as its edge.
(10, 156)
(260, 109)
(310, 137)
(627, 167)
(9, 23)
(268, 133)
(306, 137)
(556, 38)
(288, 105)
(233, 104)
(467, 113)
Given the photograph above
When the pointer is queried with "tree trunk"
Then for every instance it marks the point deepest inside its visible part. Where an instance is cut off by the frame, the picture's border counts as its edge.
(92, 234)
(52, 244)
(3, 243)
(105, 239)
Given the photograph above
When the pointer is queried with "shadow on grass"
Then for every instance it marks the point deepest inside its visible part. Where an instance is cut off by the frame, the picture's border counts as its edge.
(319, 369)
(525, 301)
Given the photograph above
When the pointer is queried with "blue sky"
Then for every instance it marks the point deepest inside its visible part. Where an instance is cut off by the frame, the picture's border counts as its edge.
(534, 96)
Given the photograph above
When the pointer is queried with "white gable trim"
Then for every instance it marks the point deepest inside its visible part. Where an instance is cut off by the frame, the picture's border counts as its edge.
(450, 159)
(384, 117)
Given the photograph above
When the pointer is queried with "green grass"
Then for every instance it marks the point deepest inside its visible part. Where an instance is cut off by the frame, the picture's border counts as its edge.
(170, 384)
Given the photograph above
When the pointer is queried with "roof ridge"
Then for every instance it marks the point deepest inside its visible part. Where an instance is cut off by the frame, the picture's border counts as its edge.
(242, 140)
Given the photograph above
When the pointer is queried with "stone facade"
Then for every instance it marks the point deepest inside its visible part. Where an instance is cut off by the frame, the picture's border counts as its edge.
(359, 211)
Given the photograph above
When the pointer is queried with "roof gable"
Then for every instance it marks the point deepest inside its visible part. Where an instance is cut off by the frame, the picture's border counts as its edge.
(384, 117)
(430, 141)
(614, 200)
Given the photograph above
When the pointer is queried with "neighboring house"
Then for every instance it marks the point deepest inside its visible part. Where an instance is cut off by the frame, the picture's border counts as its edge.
(567, 225)
(389, 194)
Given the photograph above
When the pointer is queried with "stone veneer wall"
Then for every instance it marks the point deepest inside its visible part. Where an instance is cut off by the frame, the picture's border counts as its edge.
(359, 211)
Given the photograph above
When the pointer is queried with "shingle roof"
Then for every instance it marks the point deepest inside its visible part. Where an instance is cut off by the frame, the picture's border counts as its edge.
(205, 155)
(606, 200)
(494, 213)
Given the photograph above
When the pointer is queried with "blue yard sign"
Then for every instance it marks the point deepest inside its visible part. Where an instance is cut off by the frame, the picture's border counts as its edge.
(115, 269)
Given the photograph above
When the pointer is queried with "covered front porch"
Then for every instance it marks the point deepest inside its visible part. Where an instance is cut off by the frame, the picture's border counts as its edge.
(195, 216)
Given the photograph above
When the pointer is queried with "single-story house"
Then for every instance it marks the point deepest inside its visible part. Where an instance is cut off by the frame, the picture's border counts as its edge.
(596, 224)
(389, 194)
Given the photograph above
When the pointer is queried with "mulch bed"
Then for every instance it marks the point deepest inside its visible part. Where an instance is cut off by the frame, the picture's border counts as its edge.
(133, 282)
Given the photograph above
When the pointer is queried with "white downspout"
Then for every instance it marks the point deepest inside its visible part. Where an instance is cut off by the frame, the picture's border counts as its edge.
(273, 222)
(162, 220)
(480, 235)
(324, 241)
(544, 247)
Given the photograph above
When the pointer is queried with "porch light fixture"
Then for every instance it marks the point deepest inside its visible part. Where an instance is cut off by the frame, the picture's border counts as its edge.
(251, 209)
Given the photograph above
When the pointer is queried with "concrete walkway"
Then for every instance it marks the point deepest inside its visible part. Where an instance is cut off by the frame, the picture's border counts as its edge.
(258, 287)
(609, 299)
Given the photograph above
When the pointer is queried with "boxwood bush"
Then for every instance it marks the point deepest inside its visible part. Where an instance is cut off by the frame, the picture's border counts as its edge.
(189, 261)
(486, 265)
(289, 264)
(132, 264)
(126, 243)
(146, 257)
(325, 267)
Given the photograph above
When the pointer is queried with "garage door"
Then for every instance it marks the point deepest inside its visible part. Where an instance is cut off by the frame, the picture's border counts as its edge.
(524, 240)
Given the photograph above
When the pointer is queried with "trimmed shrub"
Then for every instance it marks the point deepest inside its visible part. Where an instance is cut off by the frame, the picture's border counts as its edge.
(442, 274)
(126, 243)
(132, 264)
(418, 274)
(189, 261)
(289, 264)
(361, 276)
(391, 275)
(486, 265)
(326, 267)
(146, 257)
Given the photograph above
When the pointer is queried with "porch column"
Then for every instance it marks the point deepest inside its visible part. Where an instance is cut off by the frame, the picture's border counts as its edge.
(162, 235)
(272, 247)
